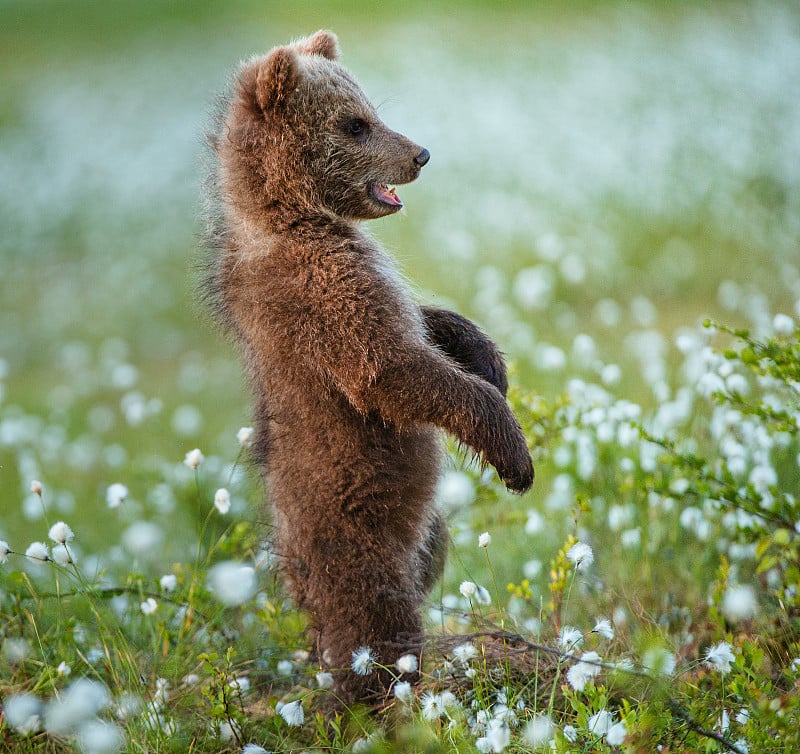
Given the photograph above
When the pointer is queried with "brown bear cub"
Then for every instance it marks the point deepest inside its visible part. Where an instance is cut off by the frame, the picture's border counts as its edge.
(352, 379)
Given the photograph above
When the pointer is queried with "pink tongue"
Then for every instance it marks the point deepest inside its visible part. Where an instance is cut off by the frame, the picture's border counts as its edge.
(387, 196)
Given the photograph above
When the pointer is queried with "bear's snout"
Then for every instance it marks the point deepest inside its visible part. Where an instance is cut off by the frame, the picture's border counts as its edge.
(422, 158)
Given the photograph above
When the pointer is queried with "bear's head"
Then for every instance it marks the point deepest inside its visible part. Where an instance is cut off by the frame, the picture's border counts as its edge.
(308, 138)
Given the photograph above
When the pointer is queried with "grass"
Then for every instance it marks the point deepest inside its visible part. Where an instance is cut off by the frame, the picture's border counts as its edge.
(603, 179)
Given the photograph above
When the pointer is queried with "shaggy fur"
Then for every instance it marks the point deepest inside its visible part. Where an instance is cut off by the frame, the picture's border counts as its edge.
(351, 377)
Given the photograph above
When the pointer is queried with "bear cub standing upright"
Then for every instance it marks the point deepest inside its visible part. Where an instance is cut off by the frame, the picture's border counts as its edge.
(352, 379)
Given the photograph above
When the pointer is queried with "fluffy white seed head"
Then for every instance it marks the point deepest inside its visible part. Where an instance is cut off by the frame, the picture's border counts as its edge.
(485, 539)
(116, 494)
(363, 661)
(168, 582)
(23, 713)
(37, 552)
(719, 657)
(61, 533)
(194, 458)
(245, 436)
(539, 731)
(324, 680)
(403, 692)
(99, 737)
(149, 606)
(62, 555)
(36, 487)
(616, 734)
(222, 500)
(581, 555)
(4, 551)
(600, 722)
(739, 603)
(407, 664)
(293, 713)
(232, 583)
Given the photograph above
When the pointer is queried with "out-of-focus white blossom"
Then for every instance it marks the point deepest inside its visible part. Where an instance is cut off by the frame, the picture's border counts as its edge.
(403, 691)
(604, 628)
(616, 734)
(485, 539)
(168, 582)
(739, 602)
(4, 551)
(579, 674)
(232, 583)
(116, 494)
(149, 606)
(324, 680)
(37, 552)
(600, 723)
(539, 731)
(245, 436)
(222, 500)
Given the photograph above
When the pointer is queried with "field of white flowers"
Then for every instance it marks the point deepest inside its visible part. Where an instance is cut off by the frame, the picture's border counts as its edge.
(614, 194)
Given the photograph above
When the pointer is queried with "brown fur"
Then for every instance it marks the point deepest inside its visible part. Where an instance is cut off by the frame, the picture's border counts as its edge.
(351, 377)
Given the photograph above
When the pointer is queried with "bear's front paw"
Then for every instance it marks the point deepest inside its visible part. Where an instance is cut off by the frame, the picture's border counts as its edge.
(514, 466)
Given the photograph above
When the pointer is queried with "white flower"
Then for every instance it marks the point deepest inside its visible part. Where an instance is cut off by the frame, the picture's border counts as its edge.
(143, 538)
(37, 552)
(432, 706)
(570, 733)
(603, 627)
(739, 603)
(783, 324)
(616, 734)
(455, 489)
(194, 458)
(63, 668)
(324, 680)
(62, 555)
(99, 737)
(254, 749)
(485, 539)
(719, 657)
(23, 713)
(61, 533)
(149, 606)
(363, 660)
(232, 583)
(582, 672)
(569, 637)
(222, 500)
(482, 596)
(403, 692)
(116, 494)
(464, 652)
(539, 731)
(245, 436)
(600, 723)
(407, 664)
(293, 713)
(4, 550)
(36, 487)
(285, 667)
(659, 660)
(468, 588)
(168, 582)
(581, 555)
(81, 700)
(499, 735)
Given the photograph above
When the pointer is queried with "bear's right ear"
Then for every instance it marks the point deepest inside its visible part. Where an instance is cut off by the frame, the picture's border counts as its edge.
(277, 77)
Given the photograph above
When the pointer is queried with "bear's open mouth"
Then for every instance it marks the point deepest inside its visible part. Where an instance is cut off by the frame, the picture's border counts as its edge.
(385, 194)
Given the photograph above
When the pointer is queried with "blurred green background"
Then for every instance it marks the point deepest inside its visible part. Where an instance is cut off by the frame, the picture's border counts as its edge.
(603, 175)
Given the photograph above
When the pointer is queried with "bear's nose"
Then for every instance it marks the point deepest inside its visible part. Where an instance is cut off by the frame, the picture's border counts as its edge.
(422, 158)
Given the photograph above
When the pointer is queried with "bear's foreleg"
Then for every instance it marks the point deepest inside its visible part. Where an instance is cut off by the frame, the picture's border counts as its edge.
(464, 342)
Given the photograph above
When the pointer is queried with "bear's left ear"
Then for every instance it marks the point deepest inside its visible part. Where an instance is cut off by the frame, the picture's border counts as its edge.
(276, 78)
(322, 43)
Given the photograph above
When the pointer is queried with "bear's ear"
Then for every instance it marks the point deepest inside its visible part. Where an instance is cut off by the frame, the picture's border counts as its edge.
(322, 43)
(277, 77)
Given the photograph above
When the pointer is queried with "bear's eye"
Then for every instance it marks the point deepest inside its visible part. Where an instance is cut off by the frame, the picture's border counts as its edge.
(356, 127)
